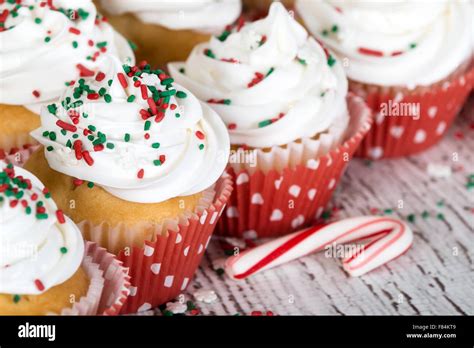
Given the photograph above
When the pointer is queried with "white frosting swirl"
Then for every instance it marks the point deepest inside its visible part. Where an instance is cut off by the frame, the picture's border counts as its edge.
(181, 150)
(41, 48)
(394, 43)
(201, 15)
(37, 250)
(272, 83)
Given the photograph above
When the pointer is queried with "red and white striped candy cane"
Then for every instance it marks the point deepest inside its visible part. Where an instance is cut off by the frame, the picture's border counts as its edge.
(389, 238)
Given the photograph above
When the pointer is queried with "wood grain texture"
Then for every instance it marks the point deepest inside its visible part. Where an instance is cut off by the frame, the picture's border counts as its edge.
(436, 276)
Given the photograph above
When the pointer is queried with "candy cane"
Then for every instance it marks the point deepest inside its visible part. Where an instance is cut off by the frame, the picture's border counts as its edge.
(389, 239)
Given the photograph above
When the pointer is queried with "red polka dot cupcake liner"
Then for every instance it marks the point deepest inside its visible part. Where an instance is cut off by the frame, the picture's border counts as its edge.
(18, 156)
(277, 202)
(435, 109)
(109, 284)
(163, 268)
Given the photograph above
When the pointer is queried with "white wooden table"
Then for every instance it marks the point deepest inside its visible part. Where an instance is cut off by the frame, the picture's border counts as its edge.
(435, 276)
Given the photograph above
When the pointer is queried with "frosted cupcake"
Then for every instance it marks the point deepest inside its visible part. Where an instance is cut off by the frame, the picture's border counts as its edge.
(42, 265)
(140, 159)
(44, 46)
(283, 99)
(166, 30)
(411, 61)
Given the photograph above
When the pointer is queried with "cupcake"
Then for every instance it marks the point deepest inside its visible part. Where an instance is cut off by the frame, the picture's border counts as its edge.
(44, 47)
(284, 100)
(42, 265)
(165, 30)
(135, 160)
(412, 61)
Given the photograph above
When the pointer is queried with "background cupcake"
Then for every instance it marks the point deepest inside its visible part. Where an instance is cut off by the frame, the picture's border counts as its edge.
(411, 61)
(42, 265)
(139, 157)
(44, 47)
(165, 30)
(283, 99)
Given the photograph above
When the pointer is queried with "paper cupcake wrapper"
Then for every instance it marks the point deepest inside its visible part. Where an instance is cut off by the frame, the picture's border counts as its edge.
(393, 136)
(162, 268)
(18, 157)
(277, 202)
(109, 284)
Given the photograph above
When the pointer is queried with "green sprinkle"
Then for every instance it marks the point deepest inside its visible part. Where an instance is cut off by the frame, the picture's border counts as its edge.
(270, 72)
(201, 146)
(209, 53)
(388, 211)
(334, 28)
(47, 39)
(131, 99)
(167, 81)
(133, 46)
(110, 82)
(16, 298)
(45, 133)
(412, 45)
(91, 128)
(182, 70)
(440, 203)
(42, 216)
(264, 123)
(126, 137)
(227, 101)
(102, 91)
(177, 115)
(90, 184)
(155, 145)
(108, 98)
(101, 44)
(157, 162)
(110, 146)
(225, 34)
(75, 44)
(331, 60)
(220, 271)
(325, 32)
(440, 216)
(28, 210)
(411, 218)
(50, 148)
(38, 20)
(52, 136)
(181, 94)
(301, 61)
(63, 250)
(147, 125)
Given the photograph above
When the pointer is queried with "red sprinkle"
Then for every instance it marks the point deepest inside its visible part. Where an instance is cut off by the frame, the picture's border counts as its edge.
(36, 93)
(200, 135)
(123, 80)
(83, 71)
(152, 105)
(144, 90)
(140, 174)
(370, 52)
(60, 216)
(232, 126)
(100, 76)
(66, 126)
(87, 157)
(145, 114)
(78, 149)
(77, 182)
(74, 31)
(159, 116)
(93, 96)
(39, 285)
